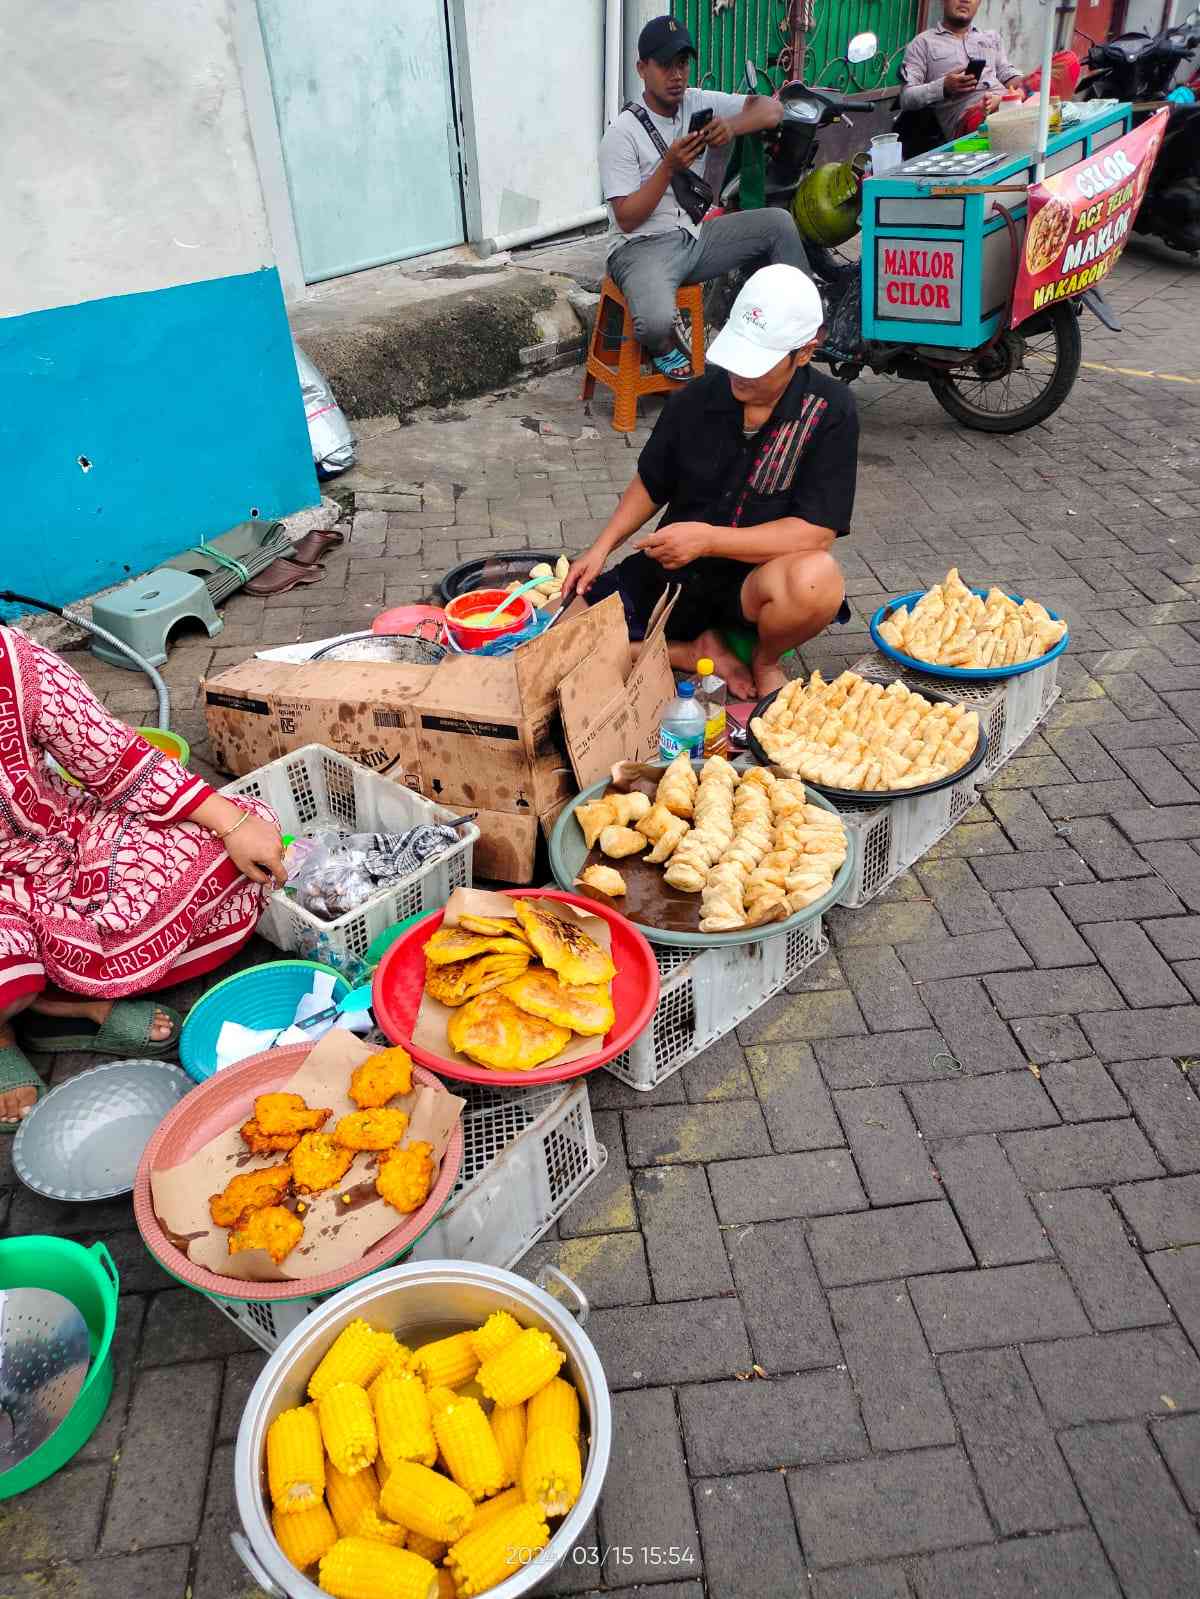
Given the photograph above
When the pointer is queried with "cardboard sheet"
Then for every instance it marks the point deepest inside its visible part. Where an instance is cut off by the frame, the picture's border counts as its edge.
(335, 1233)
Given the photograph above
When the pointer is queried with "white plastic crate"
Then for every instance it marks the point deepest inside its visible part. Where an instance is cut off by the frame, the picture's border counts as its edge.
(314, 789)
(890, 838)
(707, 992)
(527, 1154)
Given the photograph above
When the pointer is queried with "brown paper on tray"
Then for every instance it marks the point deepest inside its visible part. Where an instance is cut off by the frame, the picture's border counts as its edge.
(429, 1029)
(335, 1234)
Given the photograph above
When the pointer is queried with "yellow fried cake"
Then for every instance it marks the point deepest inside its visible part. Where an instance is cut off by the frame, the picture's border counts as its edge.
(386, 1074)
(371, 1129)
(563, 946)
(250, 1190)
(283, 1114)
(497, 1034)
(493, 926)
(317, 1163)
(450, 944)
(406, 1176)
(274, 1229)
(586, 1009)
(460, 981)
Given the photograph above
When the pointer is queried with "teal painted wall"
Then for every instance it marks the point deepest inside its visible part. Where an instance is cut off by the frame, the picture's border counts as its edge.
(185, 407)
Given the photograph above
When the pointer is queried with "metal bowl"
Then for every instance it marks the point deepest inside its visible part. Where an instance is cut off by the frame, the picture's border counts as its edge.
(405, 648)
(83, 1141)
(429, 1299)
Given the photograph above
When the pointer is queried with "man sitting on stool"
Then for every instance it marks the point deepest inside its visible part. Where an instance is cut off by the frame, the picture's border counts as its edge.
(654, 245)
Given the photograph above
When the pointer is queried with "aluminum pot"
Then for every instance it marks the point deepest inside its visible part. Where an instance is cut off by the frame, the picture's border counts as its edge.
(426, 1299)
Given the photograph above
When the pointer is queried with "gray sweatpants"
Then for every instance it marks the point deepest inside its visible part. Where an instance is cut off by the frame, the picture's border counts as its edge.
(649, 271)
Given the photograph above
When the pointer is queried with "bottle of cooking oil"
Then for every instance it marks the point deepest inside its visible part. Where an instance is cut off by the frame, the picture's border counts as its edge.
(712, 692)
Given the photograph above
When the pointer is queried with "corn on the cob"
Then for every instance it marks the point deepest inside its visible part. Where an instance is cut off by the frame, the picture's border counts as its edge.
(304, 1535)
(355, 1355)
(497, 1332)
(492, 1509)
(555, 1405)
(470, 1451)
(446, 1362)
(356, 1568)
(402, 1419)
(521, 1368)
(350, 1497)
(446, 1585)
(373, 1526)
(295, 1460)
(432, 1548)
(396, 1356)
(485, 1557)
(508, 1424)
(551, 1472)
(348, 1427)
(424, 1501)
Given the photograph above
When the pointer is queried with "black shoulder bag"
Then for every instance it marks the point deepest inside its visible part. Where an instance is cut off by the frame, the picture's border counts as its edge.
(694, 195)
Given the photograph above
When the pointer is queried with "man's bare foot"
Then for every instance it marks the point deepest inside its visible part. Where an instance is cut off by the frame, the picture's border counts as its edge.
(17, 1102)
(725, 663)
(769, 675)
(94, 1010)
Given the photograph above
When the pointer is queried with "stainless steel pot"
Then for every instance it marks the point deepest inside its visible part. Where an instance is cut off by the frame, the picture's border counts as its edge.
(429, 1298)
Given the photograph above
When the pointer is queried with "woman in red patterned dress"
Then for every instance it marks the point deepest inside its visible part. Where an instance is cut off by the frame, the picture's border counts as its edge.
(141, 878)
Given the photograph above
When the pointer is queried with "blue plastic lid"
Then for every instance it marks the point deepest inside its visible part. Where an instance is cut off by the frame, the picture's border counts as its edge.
(686, 690)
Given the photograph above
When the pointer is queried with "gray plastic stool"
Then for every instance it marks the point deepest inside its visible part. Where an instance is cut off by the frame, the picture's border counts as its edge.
(144, 612)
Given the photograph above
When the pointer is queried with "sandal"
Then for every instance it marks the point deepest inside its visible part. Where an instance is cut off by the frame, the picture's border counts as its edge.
(284, 575)
(16, 1072)
(125, 1032)
(309, 550)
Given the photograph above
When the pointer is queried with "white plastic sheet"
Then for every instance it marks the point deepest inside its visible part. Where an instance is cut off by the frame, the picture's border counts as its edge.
(328, 431)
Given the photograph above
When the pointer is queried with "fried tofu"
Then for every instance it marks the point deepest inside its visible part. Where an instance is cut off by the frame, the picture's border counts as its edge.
(251, 1190)
(318, 1163)
(280, 1114)
(274, 1229)
(258, 1143)
(494, 1032)
(381, 1078)
(563, 945)
(371, 1129)
(406, 1176)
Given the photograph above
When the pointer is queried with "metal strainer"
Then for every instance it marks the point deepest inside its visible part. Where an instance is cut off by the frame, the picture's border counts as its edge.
(44, 1355)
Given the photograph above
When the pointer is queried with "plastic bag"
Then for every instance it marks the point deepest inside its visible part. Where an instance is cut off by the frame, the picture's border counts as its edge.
(328, 431)
(342, 870)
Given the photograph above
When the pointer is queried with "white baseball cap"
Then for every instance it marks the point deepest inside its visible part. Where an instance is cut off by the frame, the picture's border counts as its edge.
(779, 310)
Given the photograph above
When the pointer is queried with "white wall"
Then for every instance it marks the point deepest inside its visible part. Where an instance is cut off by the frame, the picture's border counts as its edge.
(126, 150)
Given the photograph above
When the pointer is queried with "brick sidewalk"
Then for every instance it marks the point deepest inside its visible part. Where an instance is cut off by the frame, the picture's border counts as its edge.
(898, 1291)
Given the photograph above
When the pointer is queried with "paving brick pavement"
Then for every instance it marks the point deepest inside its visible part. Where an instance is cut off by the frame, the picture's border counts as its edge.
(898, 1289)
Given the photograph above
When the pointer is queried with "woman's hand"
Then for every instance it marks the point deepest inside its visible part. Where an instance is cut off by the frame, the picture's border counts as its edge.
(256, 849)
(585, 569)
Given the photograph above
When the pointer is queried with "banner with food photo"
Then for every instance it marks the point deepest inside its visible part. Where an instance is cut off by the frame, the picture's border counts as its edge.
(1079, 221)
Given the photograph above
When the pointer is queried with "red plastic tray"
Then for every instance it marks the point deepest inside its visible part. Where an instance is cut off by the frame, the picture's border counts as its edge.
(225, 1100)
(400, 982)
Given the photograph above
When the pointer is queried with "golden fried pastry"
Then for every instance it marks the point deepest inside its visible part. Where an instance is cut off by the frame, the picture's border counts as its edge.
(381, 1078)
(604, 879)
(450, 944)
(614, 810)
(371, 1129)
(498, 1034)
(258, 1143)
(665, 831)
(317, 1163)
(587, 1010)
(249, 1190)
(406, 1176)
(677, 787)
(616, 841)
(463, 980)
(563, 945)
(492, 926)
(274, 1229)
(951, 625)
(278, 1114)
(712, 828)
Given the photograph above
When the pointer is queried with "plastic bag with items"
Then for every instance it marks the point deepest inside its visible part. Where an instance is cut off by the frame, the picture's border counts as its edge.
(339, 871)
(328, 431)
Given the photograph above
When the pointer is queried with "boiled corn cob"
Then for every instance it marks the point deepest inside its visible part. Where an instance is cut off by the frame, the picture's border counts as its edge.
(350, 1497)
(468, 1447)
(377, 1528)
(521, 1368)
(555, 1405)
(508, 1424)
(497, 1332)
(356, 1355)
(396, 1356)
(304, 1535)
(356, 1568)
(485, 1557)
(446, 1362)
(295, 1460)
(348, 1427)
(551, 1472)
(492, 1509)
(424, 1501)
(432, 1548)
(402, 1419)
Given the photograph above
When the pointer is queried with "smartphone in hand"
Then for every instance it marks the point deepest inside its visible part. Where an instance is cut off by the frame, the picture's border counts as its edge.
(701, 119)
(975, 67)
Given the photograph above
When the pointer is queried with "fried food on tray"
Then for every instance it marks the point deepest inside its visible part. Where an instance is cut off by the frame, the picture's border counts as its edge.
(952, 626)
(249, 1190)
(258, 1143)
(563, 946)
(677, 787)
(492, 926)
(274, 1229)
(585, 1010)
(317, 1163)
(665, 830)
(284, 1114)
(618, 841)
(406, 1176)
(371, 1129)
(463, 980)
(613, 810)
(381, 1078)
(496, 1033)
(450, 944)
(604, 879)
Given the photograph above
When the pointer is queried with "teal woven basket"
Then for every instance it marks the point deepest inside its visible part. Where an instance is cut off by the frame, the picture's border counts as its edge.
(261, 996)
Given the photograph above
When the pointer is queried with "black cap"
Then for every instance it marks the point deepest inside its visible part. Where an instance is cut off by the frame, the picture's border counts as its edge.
(662, 39)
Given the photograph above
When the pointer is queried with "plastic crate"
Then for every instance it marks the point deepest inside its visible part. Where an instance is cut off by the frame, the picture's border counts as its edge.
(890, 838)
(527, 1154)
(314, 789)
(707, 992)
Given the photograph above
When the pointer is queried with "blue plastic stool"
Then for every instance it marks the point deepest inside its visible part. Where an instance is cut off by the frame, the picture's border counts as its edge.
(143, 612)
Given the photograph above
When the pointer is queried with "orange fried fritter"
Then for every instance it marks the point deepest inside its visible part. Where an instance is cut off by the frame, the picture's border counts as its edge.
(371, 1129)
(317, 1163)
(381, 1078)
(274, 1229)
(258, 1143)
(287, 1113)
(248, 1191)
(406, 1176)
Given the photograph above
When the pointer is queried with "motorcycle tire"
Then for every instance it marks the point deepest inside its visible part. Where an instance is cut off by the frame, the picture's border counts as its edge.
(1060, 328)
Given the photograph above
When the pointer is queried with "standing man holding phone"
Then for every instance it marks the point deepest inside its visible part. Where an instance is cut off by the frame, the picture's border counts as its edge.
(956, 70)
(650, 159)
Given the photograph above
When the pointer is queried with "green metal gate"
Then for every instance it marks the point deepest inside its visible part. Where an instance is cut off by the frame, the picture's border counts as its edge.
(728, 31)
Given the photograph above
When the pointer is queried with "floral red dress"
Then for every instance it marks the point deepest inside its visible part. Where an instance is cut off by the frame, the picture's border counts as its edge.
(107, 889)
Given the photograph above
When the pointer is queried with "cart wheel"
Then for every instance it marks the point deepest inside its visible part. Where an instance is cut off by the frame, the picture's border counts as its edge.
(1021, 380)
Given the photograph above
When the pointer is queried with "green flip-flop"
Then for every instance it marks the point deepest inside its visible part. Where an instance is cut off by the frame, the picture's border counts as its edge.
(125, 1032)
(16, 1072)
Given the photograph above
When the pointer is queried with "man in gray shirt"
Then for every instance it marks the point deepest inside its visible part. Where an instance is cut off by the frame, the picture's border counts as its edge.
(654, 245)
(937, 76)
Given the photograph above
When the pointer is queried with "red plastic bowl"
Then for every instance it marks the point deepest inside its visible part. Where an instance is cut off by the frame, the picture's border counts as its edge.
(400, 982)
(467, 634)
(226, 1100)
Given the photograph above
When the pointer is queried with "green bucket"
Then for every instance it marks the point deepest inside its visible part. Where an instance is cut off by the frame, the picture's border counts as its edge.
(88, 1278)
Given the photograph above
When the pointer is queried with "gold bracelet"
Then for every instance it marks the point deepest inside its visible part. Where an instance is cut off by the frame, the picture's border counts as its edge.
(244, 817)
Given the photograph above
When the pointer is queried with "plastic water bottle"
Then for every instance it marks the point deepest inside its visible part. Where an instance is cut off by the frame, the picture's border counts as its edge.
(681, 730)
(712, 692)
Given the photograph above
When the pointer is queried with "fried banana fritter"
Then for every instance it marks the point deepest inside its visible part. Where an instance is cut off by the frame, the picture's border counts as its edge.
(564, 946)
(585, 1009)
(248, 1191)
(499, 927)
(274, 1229)
(278, 1114)
(381, 1078)
(317, 1163)
(494, 1032)
(258, 1143)
(406, 1176)
(450, 944)
(371, 1129)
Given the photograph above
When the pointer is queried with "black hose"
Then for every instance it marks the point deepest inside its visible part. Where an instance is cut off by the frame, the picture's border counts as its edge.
(9, 598)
